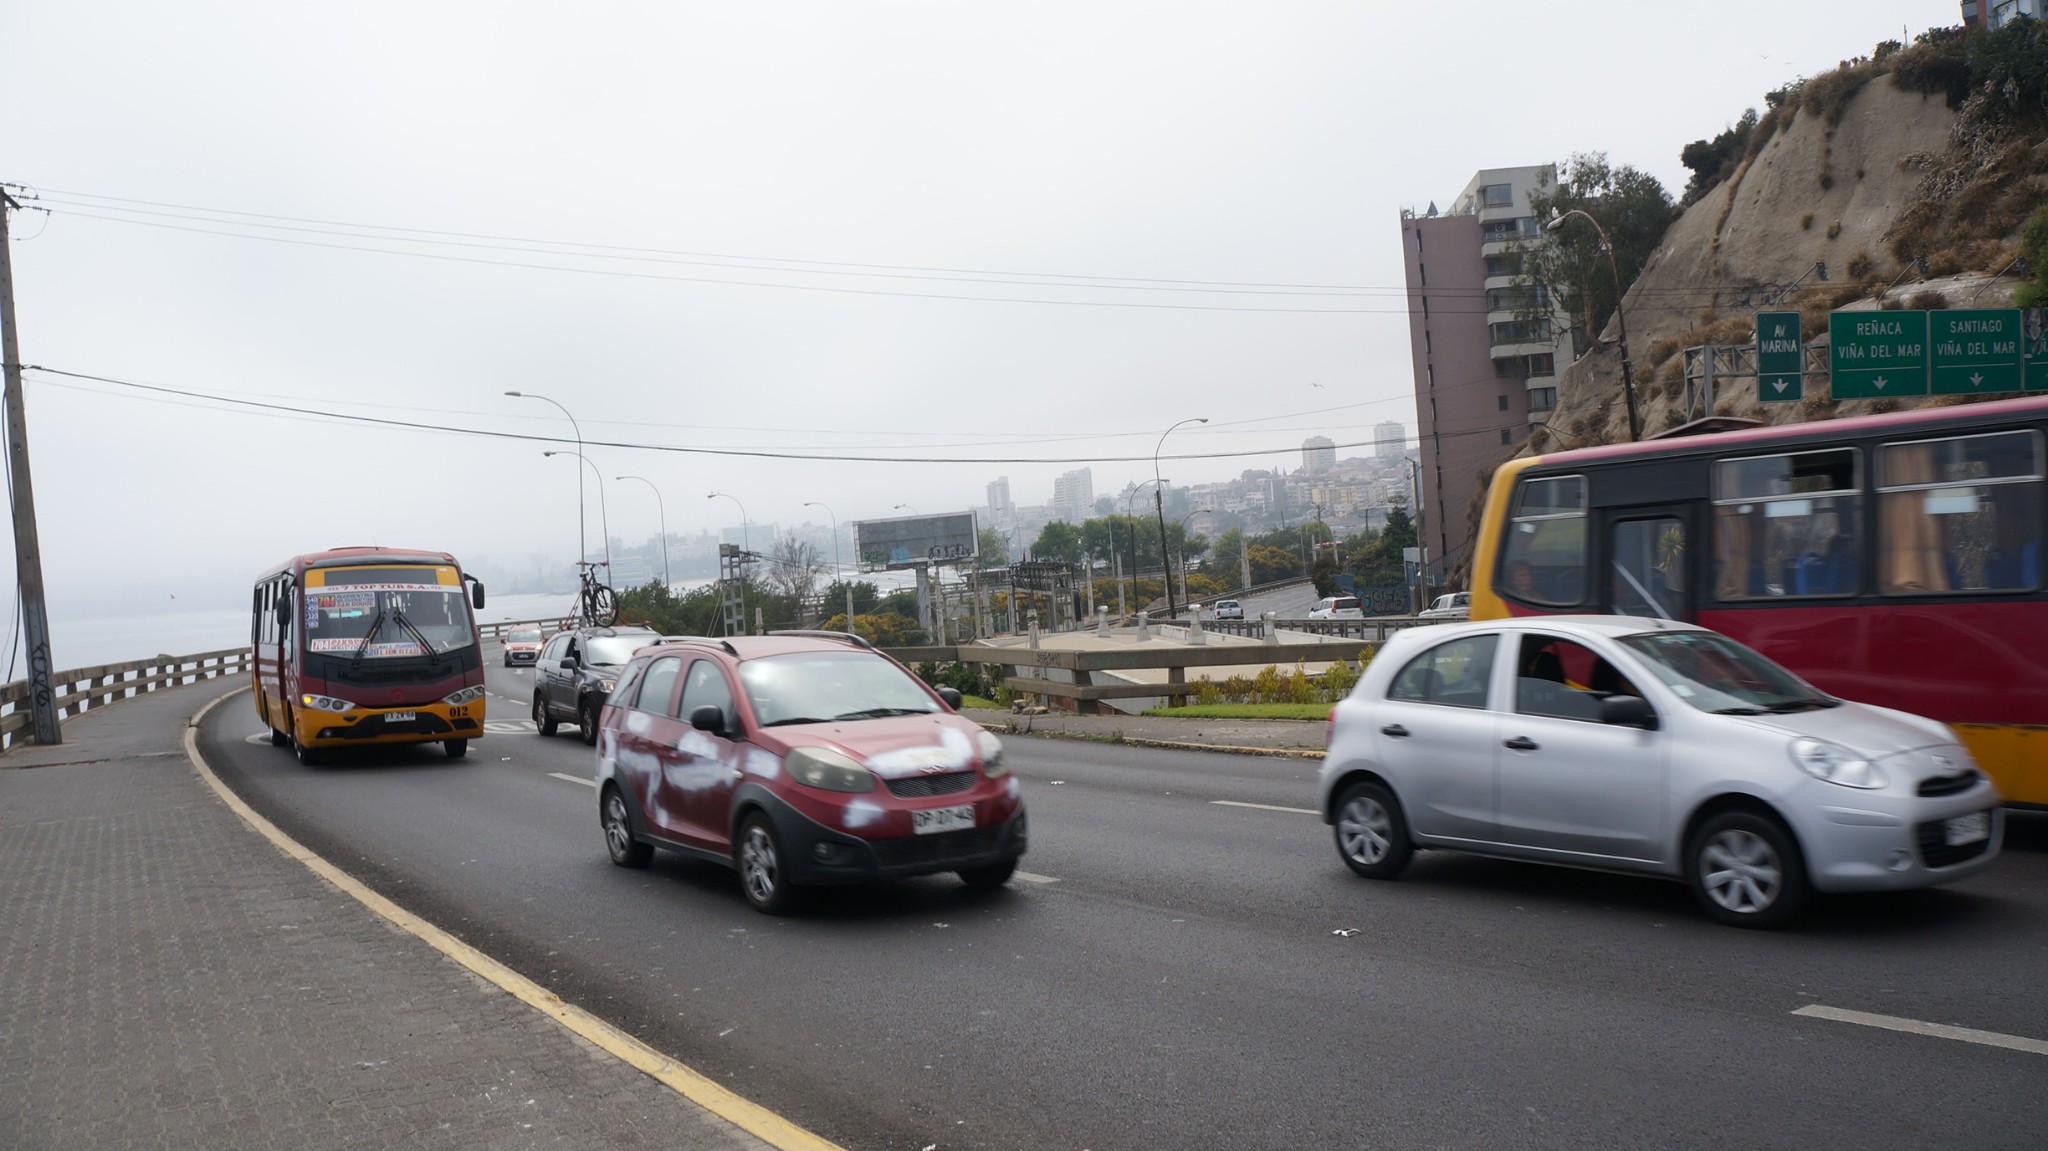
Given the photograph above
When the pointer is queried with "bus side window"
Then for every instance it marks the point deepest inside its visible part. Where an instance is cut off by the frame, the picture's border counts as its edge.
(1961, 514)
(1543, 558)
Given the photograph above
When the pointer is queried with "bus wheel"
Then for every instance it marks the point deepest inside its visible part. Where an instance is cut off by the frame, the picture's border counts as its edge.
(456, 748)
(309, 756)
(278, 738)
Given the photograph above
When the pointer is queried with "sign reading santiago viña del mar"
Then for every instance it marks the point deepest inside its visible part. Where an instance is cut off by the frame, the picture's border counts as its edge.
(1780, 356)
(1956, 352)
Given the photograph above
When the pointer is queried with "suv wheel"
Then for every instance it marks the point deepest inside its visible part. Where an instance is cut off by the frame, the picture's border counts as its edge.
(618, 833)
(586, 721)
(760, 862)
(543, 722)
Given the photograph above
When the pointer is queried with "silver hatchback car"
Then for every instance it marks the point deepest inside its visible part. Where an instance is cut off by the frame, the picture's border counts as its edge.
(1646, 746)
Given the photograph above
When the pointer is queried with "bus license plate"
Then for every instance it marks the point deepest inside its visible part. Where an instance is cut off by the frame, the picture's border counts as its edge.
(399, 716)
(942, 819)
(1968, 828)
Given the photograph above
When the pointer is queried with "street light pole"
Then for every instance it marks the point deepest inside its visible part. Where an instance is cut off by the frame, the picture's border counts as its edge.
(1159, 506)
(1628, 382)
(582, 537)
(1130, 522)
(605, 520)
(1421, 539)
(1184, 550)
(844, 583)
(660, 506)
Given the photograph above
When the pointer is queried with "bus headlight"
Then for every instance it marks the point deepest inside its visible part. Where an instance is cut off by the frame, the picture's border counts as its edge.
(326, 703)
(466, 695)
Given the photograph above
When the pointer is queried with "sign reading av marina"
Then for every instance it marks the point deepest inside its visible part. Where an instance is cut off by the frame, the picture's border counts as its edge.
(1780, 357)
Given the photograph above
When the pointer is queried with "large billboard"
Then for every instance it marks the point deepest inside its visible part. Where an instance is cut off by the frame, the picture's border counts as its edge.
(915, 541)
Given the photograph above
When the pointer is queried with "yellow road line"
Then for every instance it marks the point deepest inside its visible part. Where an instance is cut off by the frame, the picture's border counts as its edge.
(749, 1117)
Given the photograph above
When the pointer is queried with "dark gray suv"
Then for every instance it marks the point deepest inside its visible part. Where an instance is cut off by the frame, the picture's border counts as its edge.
(575, 673)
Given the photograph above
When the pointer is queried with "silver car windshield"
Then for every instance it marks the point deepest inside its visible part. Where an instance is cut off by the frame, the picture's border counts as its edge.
(1715, 674)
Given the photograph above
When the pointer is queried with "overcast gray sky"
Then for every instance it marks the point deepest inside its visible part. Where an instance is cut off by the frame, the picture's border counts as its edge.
(826, 229)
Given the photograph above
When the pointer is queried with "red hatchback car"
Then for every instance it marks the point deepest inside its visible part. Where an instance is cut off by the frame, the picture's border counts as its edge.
(801, 759)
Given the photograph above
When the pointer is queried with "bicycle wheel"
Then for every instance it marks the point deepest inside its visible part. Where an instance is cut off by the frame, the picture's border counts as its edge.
(603, 609)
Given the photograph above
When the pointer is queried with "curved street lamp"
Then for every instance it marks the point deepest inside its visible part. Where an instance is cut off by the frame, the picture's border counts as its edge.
(900, 507)
(1131, 523)
(1184, 550)
(582, 538)
(660, 506)
(1159, 505)
(605, 520)
(836, 569)
(1628, 383)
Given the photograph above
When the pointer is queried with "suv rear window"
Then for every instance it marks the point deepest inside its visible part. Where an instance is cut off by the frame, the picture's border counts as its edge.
(1343, 602)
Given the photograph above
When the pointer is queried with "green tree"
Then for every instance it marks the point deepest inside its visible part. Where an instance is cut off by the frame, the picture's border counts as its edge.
(1568, 262)
(1059, 541)
(995, 549)
(1712, 161)
(1225, 554)
(2034, 249)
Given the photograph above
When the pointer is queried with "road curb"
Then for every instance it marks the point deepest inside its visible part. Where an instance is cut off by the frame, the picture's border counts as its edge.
(692, 1085)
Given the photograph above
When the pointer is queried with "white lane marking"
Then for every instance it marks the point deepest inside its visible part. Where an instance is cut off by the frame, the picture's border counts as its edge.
(1028, 877)
(1265, 807)
(572, 779)
(1918, 1027)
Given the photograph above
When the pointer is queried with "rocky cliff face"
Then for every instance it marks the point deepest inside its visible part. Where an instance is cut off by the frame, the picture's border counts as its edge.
(1842, 186)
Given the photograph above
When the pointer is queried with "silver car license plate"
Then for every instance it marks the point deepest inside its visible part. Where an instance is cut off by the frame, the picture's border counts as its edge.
(942, 819)
(400, 716)
(1968, 828)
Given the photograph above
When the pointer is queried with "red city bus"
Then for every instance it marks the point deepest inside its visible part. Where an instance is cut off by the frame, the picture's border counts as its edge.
(360, 646)
(1893, 559)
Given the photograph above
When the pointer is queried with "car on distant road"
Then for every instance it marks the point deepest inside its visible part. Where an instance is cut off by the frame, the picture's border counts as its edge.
(522, 645)
(1337, 607)
(1229, 609)
(800, 759)
(1457, 605)
(576, 671)
(1640, 745)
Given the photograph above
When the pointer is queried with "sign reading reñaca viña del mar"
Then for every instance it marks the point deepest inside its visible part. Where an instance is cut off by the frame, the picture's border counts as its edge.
(1962, 351)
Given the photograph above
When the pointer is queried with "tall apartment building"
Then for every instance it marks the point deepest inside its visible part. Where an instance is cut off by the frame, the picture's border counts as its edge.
(1318, 453)
(1484, 369)
(1389, 440)
(1000, 510)
(1073, 496)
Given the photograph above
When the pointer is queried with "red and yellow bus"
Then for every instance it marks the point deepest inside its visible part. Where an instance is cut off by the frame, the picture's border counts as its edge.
(359, 646)
(1893, 559)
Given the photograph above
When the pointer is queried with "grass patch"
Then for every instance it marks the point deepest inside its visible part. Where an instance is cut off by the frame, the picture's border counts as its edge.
(1316, 711)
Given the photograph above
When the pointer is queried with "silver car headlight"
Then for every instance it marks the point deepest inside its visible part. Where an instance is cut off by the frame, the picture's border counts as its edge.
(1833, 763)
(992, 764)
(828, 770)
(466, 695)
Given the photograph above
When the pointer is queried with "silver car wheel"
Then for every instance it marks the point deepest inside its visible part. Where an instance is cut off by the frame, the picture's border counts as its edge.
(617, 835)
(1365, 830)
(760, 871)
(1741, 871)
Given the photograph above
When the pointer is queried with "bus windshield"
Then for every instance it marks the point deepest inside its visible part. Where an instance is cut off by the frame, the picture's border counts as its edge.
(396, 619)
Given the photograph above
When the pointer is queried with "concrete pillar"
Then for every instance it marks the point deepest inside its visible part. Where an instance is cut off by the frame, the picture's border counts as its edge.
(1031, 618)
(1195, 632)
(1102, 622)
(1144, 626)
(1267, 627)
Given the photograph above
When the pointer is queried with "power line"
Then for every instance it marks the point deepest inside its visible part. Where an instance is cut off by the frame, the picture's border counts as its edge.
(297, 412)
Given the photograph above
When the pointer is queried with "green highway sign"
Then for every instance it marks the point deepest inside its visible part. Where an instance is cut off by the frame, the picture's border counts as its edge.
(1975, 350)
(1780, 357)
(2034, 347)
(1874, 354)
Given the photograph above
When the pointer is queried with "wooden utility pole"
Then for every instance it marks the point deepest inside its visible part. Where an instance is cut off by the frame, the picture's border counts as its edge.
(28, 555)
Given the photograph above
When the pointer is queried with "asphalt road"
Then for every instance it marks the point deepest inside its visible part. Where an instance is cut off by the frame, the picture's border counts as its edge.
(1168, 969)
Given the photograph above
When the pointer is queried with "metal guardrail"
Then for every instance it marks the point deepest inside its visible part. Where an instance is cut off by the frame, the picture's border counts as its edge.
(1080, 687)
(81, 689)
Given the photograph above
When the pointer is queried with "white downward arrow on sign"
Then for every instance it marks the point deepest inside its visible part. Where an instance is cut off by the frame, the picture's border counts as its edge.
(1977, 379)
(1880, 382)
